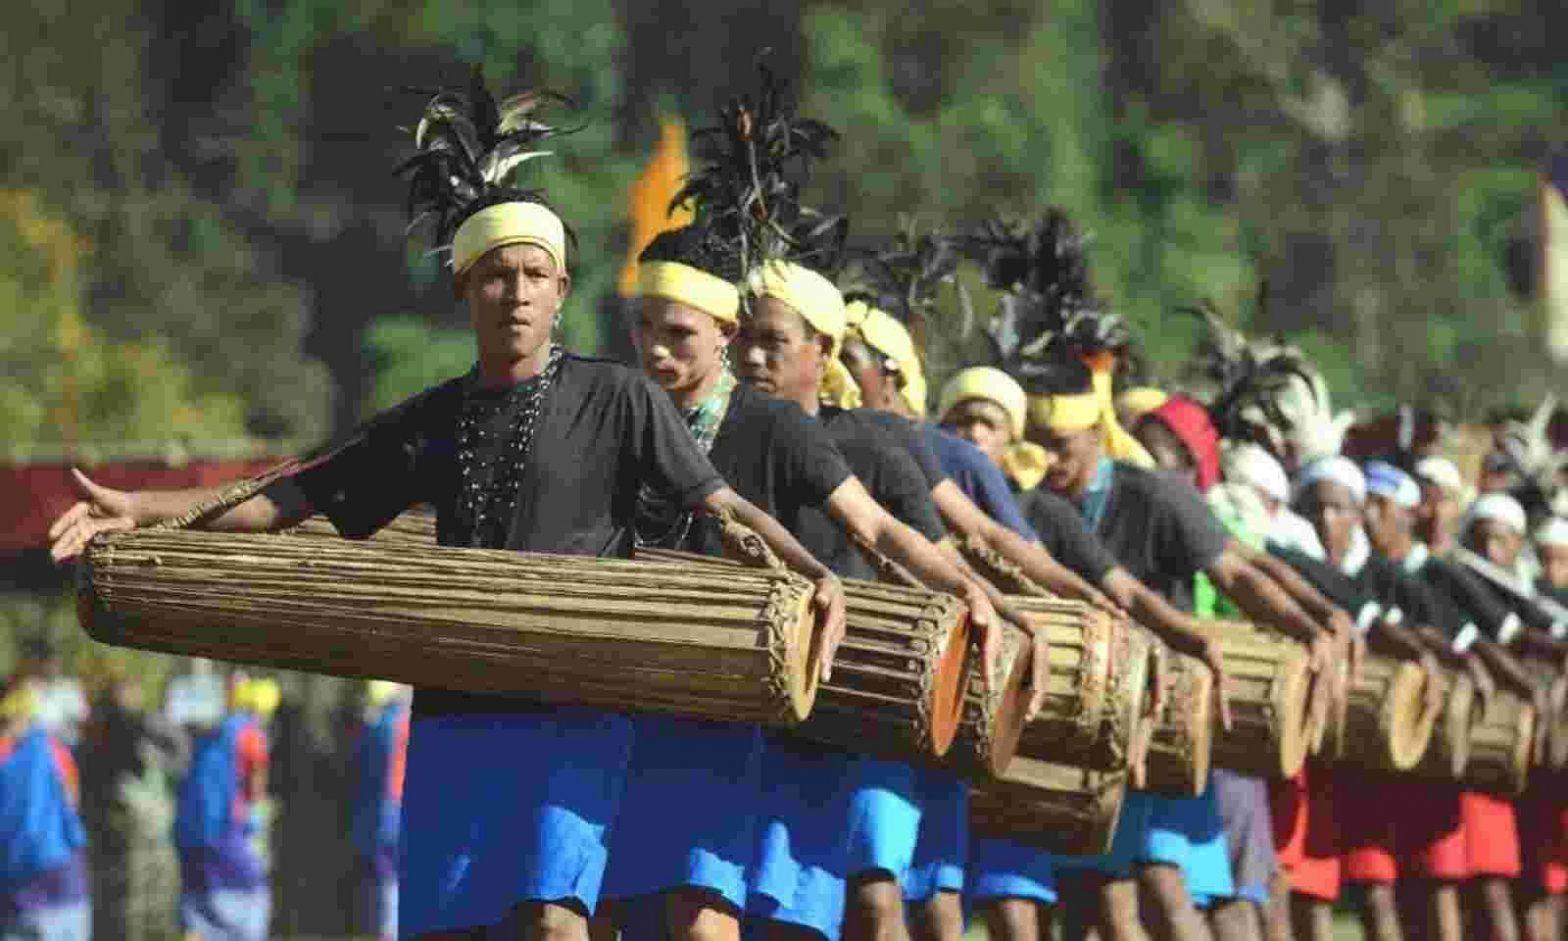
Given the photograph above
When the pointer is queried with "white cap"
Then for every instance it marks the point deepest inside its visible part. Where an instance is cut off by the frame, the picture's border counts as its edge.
(1442, 472)
(1246, 462)
(1499, 508)
(1336, 469)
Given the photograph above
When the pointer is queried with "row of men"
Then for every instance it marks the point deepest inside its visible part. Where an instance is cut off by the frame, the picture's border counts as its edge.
(535, 820)
(221, 815)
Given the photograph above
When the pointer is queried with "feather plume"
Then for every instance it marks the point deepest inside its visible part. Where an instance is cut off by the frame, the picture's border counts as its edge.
(904, 277)
(1536, 465)
(468, 150)
(751, 166)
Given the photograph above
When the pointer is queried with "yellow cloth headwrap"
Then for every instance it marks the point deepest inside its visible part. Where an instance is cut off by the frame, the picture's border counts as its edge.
(508, 224)
(20, 703)
(1026, 463)
(992, 385)
(1087, 410)
(693, 287)
(884, 333)
(821, 305)
(1140, 400)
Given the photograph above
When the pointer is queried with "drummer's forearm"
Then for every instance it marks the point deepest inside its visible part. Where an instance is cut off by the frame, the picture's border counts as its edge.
(1433, 640)
(1179, 631)
(280, 505)
(1503, 666)
(1259, 597)
(1396, 640)
(1300, 590)
(785, 546)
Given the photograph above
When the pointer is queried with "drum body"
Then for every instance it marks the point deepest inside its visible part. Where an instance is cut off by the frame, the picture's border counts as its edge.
(1386, 724)
(1181, 739)
(1083, 719)
(1449, 749)
(1500, 746)
(603, 632)
(1268, 684)
(992, 722)
(1059, 808)
(1555, 753)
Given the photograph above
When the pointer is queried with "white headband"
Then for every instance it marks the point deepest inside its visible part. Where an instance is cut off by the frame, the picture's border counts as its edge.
(1338, 470)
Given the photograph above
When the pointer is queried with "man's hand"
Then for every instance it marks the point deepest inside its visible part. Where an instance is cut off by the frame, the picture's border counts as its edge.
(1485, 685)
(828, 600)
(983, 621)
(1321, 654)
(101, 510)
(1436, 689)
(1039, 660)
(1216, 664)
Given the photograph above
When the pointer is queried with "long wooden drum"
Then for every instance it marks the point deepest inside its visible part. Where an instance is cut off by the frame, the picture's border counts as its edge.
(416, 527)
(1448, 752)
(993, 715)
(1500, 745)
(1555, 754)
(1056, 807)
(1181, 742)
(1268, 680)
(1079, 722)
(601, 632)
(1386, 723)
(999, 570)
(899, 675)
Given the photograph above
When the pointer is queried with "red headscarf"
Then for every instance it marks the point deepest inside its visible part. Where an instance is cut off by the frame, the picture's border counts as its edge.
(1190, 422)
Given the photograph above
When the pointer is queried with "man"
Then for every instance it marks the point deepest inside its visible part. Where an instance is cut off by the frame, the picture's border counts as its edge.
(43, 869)
(1163, 535)
(781, 460)
(508, 806)
(788, 348)
(1551, 546)
(1442, 502)
(988, 408)
(1249, 463)
(224, 890)
(380, 760)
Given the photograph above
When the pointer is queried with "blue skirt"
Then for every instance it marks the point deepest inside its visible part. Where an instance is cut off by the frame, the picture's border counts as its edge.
(688, 815)
(1001, 869)
(1188, 832)
(825, 818)
(507, 808)
(942, 846)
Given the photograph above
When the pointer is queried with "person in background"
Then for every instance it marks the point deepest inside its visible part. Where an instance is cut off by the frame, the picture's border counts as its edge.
(224, 891)
(989, 409)
(1249, 463)
(43, 866)
(61, 704)
(379, 759)
(1551, 547)
(1442, 501)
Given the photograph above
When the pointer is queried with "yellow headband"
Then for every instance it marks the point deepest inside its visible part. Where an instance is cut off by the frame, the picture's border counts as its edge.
(992, 385)
(1140, 400)
(20, 703)
(508, 224)
(1026, 463)
(1065, 412)
(820, 304)
(882, 332)
(693, 287)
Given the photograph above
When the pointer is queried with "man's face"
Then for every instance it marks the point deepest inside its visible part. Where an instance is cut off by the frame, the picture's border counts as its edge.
(982, 423)
(514, 293)
(1074, 457)
(680, 346)
(878, 387)
(1333, 512)
(1387, 523)
(778, 353)
(1554, 565)
(1168, 450)
(1438, 513)
(1497, 542)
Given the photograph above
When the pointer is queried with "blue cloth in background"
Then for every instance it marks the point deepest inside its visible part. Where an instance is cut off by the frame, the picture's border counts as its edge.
(979, 478)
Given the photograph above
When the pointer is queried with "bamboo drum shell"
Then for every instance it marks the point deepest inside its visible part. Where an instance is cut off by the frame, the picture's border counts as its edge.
(1556, 732)
(993, 717)
(999, 570)
(1059, 808)
(1500, 745)
(899, 676)
(1181, 741)
(1386, 727)
(602, 632)
(1078, 722)
(1268, 679)
(1449, 749)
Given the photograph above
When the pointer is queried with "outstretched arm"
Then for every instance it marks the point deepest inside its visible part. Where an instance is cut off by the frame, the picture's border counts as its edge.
(1259, 597)
(105, 510)
(1178, 630)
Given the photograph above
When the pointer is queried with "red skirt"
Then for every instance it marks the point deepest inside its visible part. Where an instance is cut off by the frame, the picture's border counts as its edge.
(1430, 835)
(1543, 837)
(1491, 835)
(1306, 835)
(1369, 811)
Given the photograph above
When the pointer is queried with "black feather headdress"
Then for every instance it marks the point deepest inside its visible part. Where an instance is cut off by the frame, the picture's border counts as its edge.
(469, 146)
(1048, 323)
(746, 189)
(904, 277)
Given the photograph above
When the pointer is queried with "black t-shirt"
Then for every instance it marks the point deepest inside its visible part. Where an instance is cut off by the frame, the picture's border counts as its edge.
(776, 456)
(604, 432)
(1466, 598)
(1065, 535)
(1384, 581)
(1335, 585)
(889, 475)
(906, 433)
(1159, 529)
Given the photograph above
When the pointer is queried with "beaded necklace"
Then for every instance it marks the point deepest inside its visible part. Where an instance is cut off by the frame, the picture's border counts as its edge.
(654, 510)
(491, 470)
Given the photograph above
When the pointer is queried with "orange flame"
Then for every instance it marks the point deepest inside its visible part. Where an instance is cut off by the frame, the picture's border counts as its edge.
(648, 198)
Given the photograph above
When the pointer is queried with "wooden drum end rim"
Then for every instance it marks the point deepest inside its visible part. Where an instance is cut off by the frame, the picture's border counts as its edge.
(1011, 706)
(1294, 705)
(802, 645)
(948, 685)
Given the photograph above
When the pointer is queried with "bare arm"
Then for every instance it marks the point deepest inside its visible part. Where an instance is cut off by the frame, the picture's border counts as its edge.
(1179, 631)
(829, 596)
(964, 518)
(1259, 597)
(105, 510)
(1505, 668)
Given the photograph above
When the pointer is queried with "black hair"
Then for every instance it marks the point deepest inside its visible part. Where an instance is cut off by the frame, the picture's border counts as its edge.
(696, 247)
